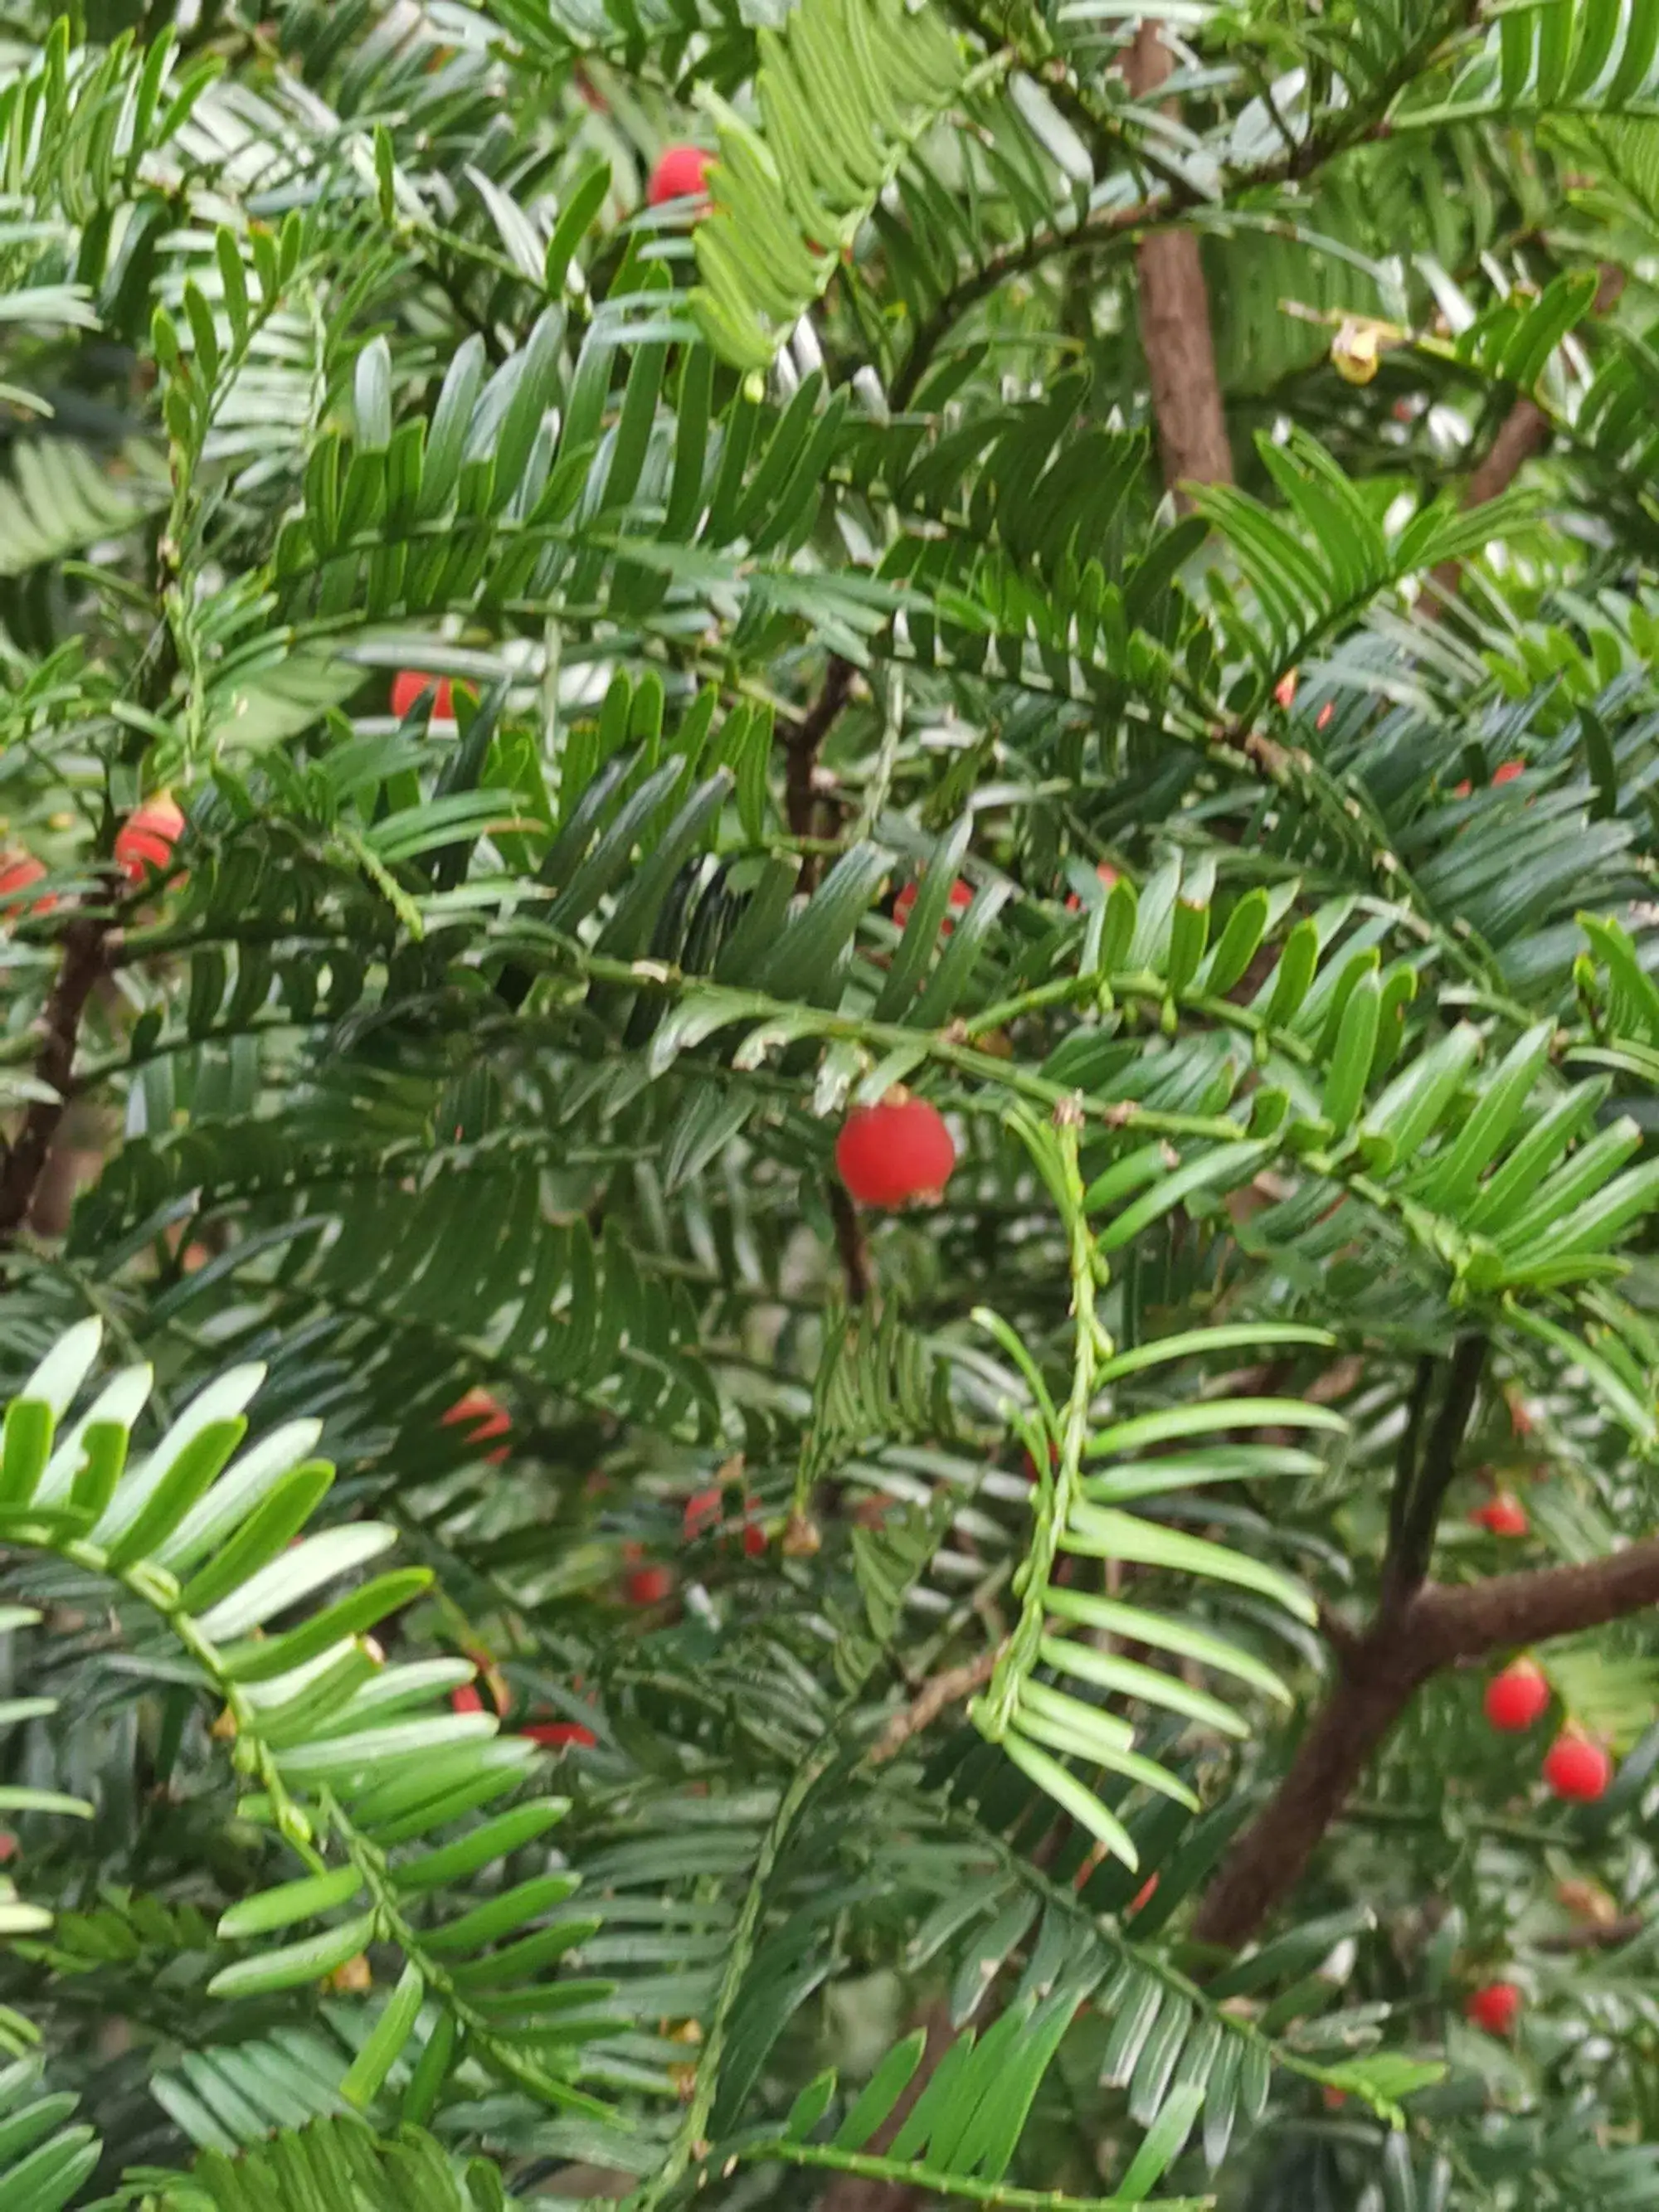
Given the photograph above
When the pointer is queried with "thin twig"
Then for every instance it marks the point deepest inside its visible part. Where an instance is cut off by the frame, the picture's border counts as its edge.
(802, 740)
(849, 1243)
(1598, 1935)
(1408, 1558)
(948, 1688)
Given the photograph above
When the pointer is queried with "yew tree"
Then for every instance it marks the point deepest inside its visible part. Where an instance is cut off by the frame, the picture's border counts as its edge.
(829, 1326)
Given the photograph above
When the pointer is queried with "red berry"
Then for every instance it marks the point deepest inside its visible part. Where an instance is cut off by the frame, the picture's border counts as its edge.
(144, 842)
(1107, 875)
(1577, 1769)
(1496, 2007)
(961, 894)
(1503, 1515)
(1284, 690)
(1321, 719)
(754, 1536)
(649, 1585)
(680, 174)
(557, 1735)
(887, 1155)
(486, 1417)
(465, 1699)
(702, 1513)
(17, 872)
(408, 685)
(1507, 771)
(1334, 2098)
(1516, 1697)
(8, 1846)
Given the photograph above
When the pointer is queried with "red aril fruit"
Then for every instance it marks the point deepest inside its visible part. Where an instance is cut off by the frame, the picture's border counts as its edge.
(409, 683)
(485, 1417)
(465, 1699)
(961, 894)
(18, 871)
(1496, 2007)
(1503, 1515)
(702, 1512)
(754, 1536)
(144, 841)
(1284, 690)
(649, 1585)
(1505, 772)
(680, 174)
(559, 1736)
(1516, 1697)
(1107, 875)
(1577, 1769)
(889, 1154)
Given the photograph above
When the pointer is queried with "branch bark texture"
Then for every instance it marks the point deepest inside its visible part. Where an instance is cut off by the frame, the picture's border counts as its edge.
(1435, 1626)
(25, 1159)
(801, 744)
(1175, 322)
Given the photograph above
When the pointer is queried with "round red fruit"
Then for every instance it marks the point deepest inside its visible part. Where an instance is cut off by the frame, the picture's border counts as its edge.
(408, 685)
(889, 1154)
(144, 842)
(680, 174)
(1506, 771)
(1516, 1697)
(649, 1585)
(1496, 2007)
(559, 1736)
(1577, 1769)
(1503, 1515)
(465, 1699)
(18, 871)
(702, 1512)
(1107, 875)
(961, 894)
(484, 1417)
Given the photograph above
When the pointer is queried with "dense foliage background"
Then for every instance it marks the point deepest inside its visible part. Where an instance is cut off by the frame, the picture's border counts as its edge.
(1103, 574)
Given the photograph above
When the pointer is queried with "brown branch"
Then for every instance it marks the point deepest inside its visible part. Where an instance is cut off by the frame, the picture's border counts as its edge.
(25, 1159)
(1523, 432)
(1360, 123)
(1435, 1626)
(1175, 322)
(1600, 1935)
(855, 1253)
(945, 1689)
(1412, 1541)
(802, 740)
